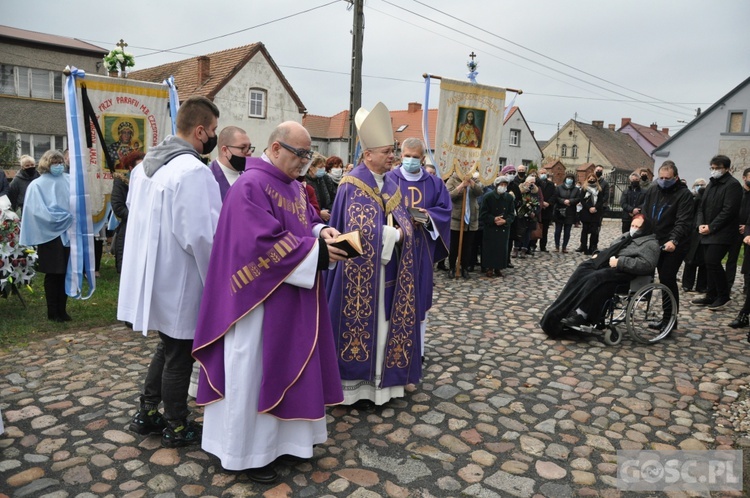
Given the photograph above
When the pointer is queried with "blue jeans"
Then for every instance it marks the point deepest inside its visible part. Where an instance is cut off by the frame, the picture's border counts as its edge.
(566, 238)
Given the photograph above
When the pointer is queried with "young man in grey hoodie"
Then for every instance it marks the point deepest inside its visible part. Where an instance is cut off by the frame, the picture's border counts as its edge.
(174, 205)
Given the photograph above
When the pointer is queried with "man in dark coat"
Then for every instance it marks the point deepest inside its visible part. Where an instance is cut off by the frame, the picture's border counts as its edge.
(17, 190)
(547, 188)
(498, 212)
(668, 205)
(631, 199)
(718, 219)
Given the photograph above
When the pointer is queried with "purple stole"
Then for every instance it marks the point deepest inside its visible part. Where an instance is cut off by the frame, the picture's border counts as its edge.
(264, 233)
(352, 287)
(429, 193)
(221, 179)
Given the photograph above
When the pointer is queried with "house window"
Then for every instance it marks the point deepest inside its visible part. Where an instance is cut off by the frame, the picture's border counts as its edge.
(503, 162)
(526, 162)
(574, 152)
(37, 145)
(29, 82)
(564, 151)
(515, 138)
(257, 103)
(736, 122)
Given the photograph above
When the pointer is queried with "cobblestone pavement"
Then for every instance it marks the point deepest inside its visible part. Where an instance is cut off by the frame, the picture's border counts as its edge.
(502, 410)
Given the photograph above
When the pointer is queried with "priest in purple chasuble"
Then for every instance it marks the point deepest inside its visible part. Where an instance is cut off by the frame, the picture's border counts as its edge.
(373, 298)
(264, 339)
(427, 193)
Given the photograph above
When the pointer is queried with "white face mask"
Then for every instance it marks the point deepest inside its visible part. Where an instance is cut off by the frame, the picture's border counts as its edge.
(511, 176)
(717, 173)
(411, 164)
(543, 176)
(633, 231)
(501, 189)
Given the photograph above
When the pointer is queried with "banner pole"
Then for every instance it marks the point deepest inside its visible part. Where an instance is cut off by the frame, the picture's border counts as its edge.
(434, 76)
(461, 236)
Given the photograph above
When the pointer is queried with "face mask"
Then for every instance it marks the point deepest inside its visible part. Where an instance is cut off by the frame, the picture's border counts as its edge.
(644, 178)
(210, 144)
(511, 176)
(717, 173)
(633, 231)
(57, 169)
(635, 184)
(569, 182)
(543, 176)
(521, 175)
(598, 174)
(238, 162)
(411, 164)
(336, 172)
(747, 182)
(501, 189)
(698, 187)
(664, 184)
(320, 173)
(592, 183)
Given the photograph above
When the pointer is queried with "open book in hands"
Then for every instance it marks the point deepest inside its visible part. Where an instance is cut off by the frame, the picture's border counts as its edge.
(350, 242)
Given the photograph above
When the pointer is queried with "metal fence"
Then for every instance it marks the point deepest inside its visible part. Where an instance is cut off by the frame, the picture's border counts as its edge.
(619, 181)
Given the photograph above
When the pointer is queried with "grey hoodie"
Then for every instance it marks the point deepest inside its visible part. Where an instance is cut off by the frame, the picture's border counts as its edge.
(171, 147)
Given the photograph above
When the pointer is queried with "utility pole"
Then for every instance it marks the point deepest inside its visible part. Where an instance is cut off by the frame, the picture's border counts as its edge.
(355, 98)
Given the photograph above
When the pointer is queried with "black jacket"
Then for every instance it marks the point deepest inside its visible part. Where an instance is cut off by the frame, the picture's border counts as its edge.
(631, 199)
(671, 212)
(587, 202)
(604, 184)
(4, 187)
(720, 210)
(563, 214)
(17, 190)
(548, 192)
(325, 190)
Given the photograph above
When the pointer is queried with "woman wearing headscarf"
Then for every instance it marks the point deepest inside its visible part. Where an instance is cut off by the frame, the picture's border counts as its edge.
(592, 203)
(44, 223)
(595, 280)
(497, 212)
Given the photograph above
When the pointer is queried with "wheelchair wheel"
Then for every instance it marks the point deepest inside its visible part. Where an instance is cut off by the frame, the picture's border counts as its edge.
(612, 336)
(655, 305)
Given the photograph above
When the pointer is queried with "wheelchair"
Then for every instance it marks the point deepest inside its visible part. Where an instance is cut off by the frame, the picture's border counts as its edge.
(636, 305)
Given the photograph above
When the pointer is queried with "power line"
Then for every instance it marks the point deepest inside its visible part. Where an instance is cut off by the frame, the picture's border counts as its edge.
(243, 30)
(468, 35)
(541, 54)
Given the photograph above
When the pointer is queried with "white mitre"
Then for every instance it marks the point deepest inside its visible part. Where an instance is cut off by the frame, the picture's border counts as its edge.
(374, 127)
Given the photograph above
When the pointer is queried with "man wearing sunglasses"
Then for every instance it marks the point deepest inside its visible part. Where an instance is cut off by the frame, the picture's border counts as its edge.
(234, 149)
(264, 338)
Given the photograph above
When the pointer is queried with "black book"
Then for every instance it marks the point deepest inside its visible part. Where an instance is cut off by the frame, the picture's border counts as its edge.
(351, 242)
(419, 216)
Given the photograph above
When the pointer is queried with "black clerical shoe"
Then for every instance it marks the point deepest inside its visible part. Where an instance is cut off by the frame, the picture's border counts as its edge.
(465, 273)
(574, 320)
(291, 459)
(263, 475)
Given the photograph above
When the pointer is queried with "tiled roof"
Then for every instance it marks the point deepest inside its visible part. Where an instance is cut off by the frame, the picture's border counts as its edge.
(330, 128)
(52, 40)
(655, 137)
(512, 110)
(223, 66)
(413, 121)
(619, 148)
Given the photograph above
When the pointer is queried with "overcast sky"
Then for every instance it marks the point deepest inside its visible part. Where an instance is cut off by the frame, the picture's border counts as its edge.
(652, 61)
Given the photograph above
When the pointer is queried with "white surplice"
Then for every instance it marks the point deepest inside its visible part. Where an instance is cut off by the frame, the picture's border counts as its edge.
(233, 430)
(171, 226)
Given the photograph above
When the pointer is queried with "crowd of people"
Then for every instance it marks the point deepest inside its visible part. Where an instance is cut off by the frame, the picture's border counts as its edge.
(234, 263)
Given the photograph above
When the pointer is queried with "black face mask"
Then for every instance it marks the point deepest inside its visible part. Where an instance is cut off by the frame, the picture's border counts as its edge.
(592, 183)
(521, 175)
(644, 178)
(598, 174)
(747, 182)
(210, 144)
(635, 184)
(237, 162)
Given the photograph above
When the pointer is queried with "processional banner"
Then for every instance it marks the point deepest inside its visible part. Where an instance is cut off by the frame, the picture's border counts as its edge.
(107, 118)
(469, 129)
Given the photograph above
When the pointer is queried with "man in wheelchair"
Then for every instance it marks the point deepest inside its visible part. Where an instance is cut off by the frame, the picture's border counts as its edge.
(596, 279)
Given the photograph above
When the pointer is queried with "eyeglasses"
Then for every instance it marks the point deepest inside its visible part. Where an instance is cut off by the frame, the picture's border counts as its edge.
(245, 149)
(301, 153)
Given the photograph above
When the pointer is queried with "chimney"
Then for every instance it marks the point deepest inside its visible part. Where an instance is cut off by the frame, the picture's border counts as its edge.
(611, 126)
(204, 69)
(654, 127)
(414, 107)
(598, 124)
(665, 131)
(624, 122)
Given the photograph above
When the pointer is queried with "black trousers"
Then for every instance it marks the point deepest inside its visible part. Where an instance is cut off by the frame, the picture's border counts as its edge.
(168, 376)
(54, 294)
(466, 248)
(694, 276)
(668, 266)
(590, 230)
(732, 257)
(716, 277)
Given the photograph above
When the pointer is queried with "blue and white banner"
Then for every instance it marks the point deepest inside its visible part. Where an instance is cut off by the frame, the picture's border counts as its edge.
(132, 117)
